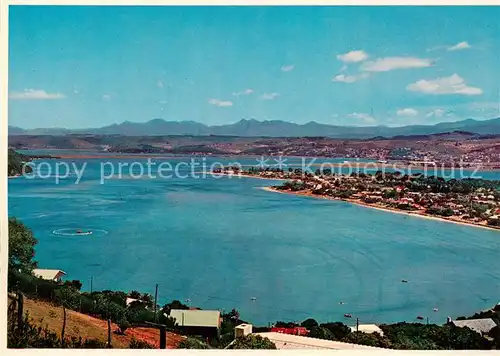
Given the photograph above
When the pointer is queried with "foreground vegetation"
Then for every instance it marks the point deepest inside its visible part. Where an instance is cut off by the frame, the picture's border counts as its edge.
(112, 306)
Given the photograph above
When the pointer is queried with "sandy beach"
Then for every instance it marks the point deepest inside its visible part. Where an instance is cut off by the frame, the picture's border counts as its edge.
(418, 214)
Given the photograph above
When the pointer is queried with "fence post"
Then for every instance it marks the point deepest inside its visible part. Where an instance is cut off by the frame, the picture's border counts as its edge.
(109, 333)
(163, 337)
(63, 327)
(20, 305)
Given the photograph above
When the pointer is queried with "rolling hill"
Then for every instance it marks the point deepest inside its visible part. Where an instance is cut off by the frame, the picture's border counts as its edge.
(273, 128)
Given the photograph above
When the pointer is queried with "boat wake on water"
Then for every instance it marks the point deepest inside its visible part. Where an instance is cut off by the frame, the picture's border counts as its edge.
(79, 232)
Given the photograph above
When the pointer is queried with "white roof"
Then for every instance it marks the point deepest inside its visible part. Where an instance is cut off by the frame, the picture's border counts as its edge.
(206, 318)
(368, 328)
(478, 325)
(286, 341)
(49, 274)
(129, 300)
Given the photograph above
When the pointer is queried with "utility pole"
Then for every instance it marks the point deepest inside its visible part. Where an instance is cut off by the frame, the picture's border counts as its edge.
(156, 298)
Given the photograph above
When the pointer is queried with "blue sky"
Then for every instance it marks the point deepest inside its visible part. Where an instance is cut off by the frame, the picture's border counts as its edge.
(80, 67)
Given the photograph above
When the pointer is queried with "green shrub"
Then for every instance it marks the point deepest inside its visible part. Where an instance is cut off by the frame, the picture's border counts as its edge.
(253, 342)
(192, 343)
(140, 344)
(123, 324)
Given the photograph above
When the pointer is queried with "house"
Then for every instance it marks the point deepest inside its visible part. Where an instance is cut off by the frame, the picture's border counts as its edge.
(481, 326)
(368, 328)
(243, 330)
(198, 322)
(54, 275)
(294, 342)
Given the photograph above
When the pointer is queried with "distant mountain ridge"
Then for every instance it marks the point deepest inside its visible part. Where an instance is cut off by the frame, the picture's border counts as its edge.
(273, 128)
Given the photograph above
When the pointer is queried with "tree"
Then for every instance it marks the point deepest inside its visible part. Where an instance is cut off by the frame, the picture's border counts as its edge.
(75, 283)
(135, 294)
(234, 315)
(253, 342)
(319, 332)
(495, 334)
(373, 339)
(175, 304)
(309, 323)
(123, 324)
(21, 247)
(338, 329)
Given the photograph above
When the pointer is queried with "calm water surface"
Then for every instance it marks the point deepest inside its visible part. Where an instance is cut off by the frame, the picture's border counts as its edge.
(220, 242)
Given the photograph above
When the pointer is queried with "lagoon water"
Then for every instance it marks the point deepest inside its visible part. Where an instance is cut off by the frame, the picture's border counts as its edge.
(221, 242)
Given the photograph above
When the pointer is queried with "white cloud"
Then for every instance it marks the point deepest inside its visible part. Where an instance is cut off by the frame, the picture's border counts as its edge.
(287, 68)
(436, 113)
(349, 78)
(269, 96)
(106, 97)
(407, 112)
(344, 67)
(459, 46)
(368, 119)
(244, 92)
(353, 56)
(162, 102)
(453, 84)
(159, 84)
(220, 103)
(35, 94)
(391, 63)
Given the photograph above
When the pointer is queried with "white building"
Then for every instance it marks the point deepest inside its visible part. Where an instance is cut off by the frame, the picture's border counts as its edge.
(481, 326)
(368, 328)
(49, 274)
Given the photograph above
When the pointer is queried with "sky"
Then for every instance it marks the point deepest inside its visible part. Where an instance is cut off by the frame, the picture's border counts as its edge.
(92, 66)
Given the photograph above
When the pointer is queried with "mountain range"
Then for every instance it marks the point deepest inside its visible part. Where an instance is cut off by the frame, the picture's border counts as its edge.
(273, 128)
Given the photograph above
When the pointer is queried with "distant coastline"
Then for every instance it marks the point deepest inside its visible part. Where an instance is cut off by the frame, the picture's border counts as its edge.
(382, 208)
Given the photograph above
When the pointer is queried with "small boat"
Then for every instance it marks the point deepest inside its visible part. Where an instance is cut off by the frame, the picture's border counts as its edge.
(341, 303)
(435, 309)
(404, 281)
(79, 231)
(420, 317)
(348, 315)
(253, 298)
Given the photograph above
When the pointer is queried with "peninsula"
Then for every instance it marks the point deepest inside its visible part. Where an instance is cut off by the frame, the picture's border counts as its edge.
(468, 201)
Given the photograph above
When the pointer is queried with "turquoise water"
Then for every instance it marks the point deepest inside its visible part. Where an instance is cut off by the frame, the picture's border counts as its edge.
(220, 242)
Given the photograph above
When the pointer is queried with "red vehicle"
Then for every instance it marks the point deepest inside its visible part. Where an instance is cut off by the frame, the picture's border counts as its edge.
(299, 330)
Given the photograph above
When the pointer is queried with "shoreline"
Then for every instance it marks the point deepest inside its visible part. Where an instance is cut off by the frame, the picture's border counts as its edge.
(382, 208)
(86, 154)
(239, 175)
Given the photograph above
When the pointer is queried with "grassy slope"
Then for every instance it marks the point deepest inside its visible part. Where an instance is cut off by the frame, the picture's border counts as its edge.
(78, 324)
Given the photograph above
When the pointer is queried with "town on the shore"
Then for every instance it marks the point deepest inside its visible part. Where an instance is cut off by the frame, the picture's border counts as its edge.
(468, 200)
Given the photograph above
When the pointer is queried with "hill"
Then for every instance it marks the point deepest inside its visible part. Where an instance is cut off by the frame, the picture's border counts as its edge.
(272, 128)
(77, 324)
(15, 163)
